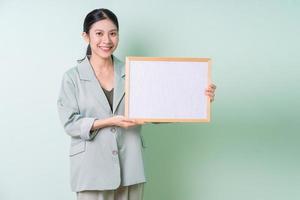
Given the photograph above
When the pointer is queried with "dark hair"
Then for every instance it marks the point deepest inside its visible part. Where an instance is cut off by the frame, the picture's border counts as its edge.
(95, 16)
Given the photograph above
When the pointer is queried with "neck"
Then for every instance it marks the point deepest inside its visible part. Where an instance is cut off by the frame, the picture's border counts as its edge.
(99, 63)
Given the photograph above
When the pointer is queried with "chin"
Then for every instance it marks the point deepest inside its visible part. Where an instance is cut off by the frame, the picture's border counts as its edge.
(104, 55)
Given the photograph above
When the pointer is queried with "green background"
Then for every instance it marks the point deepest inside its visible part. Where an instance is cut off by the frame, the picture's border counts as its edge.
(249, 150)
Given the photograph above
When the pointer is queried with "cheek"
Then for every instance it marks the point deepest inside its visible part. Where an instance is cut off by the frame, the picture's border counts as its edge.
(94, 40)
(115, 40)
(116, 43)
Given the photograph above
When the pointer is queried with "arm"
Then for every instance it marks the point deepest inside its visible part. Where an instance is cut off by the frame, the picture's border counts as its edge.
(77, 125)
(73, 122)
(117, 120)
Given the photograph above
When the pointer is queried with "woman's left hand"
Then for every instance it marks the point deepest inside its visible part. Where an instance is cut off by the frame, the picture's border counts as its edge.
(210, 91)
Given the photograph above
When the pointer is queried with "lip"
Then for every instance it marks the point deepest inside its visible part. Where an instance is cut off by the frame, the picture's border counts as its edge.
(105, 48)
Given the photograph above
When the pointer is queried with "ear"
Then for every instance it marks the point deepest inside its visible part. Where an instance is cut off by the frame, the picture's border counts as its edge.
(86, 37)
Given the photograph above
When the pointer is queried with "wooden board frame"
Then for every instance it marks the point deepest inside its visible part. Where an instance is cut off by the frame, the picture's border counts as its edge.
(166, 59)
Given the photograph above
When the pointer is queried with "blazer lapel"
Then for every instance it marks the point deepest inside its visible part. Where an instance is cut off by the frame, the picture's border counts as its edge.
(86, 73)
(119, 73)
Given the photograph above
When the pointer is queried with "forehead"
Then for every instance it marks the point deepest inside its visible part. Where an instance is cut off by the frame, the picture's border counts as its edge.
(105, 25)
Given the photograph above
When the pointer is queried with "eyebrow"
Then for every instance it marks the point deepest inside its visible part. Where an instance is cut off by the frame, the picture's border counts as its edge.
(108, 31)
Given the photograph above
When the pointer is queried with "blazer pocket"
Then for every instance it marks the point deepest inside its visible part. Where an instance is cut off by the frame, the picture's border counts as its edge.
(77, 148)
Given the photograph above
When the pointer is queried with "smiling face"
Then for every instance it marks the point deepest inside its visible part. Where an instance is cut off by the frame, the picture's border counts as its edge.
(103, 38)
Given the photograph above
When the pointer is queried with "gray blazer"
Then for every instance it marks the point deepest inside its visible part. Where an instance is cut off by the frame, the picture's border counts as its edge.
(108, 157)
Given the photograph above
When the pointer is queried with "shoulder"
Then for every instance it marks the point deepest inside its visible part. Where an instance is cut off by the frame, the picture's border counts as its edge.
(71, 74)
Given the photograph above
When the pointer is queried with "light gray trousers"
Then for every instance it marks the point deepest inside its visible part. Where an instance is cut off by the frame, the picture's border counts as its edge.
(132, 192)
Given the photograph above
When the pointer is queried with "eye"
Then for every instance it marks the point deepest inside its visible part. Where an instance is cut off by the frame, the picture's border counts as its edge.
(99, 33)
(113, 34)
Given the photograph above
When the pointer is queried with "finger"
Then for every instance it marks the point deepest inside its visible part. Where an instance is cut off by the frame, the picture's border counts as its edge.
(138, 121)
(209, 90)
(131, 121)
(128, 120)
(213, 86)
(141, 123)
(210, 94)
(127, 124)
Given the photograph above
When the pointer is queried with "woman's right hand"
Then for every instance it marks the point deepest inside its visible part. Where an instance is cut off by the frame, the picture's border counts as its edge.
(124, 122)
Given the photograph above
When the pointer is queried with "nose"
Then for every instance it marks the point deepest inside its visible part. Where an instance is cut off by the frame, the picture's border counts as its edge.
(106, 39)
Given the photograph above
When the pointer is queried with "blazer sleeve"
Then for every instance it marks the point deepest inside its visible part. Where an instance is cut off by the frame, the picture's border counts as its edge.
(73, 122)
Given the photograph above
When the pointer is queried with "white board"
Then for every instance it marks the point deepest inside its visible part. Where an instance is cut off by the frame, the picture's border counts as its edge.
(167, 89)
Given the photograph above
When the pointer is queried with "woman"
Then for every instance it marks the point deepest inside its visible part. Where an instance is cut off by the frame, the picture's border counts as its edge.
(90, 104)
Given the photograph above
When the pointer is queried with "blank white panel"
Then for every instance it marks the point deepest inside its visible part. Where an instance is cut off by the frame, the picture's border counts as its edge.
(167, 90)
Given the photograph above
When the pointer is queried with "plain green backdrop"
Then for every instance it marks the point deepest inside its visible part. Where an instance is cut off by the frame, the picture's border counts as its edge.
(250, 149)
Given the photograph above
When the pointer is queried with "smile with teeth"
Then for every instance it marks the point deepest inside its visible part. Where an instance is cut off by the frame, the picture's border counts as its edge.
(105, 48)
